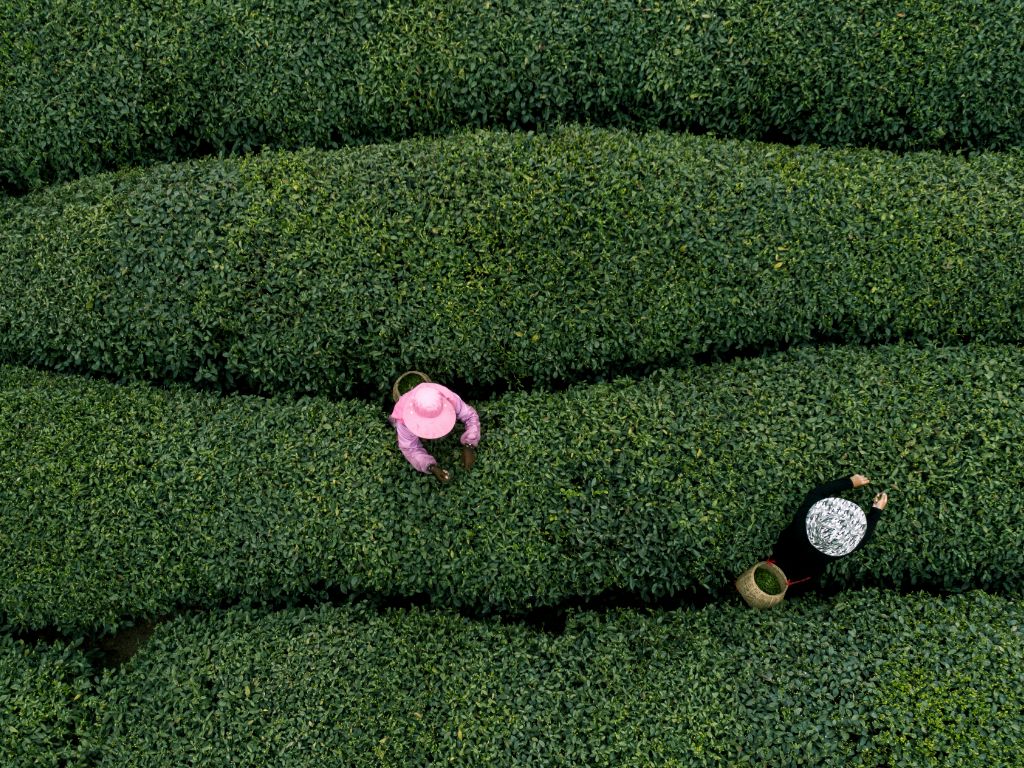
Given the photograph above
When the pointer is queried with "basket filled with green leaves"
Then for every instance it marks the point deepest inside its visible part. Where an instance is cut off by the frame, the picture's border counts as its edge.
(406, 382)
(762, 585)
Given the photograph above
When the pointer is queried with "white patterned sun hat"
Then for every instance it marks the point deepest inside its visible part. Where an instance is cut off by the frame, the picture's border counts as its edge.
(835, 526)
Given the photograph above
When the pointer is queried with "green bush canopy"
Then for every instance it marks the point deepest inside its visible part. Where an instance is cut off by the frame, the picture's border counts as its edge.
(870, 678)
(505, 259)
(87, 85)
(126, 501)
(226, 227)
(41, 702)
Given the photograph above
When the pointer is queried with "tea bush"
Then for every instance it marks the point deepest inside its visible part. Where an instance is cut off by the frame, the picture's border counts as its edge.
(87, 85)
(503, 259)
(128, 501)
(845, 73)
(41, 700)
(870, 678)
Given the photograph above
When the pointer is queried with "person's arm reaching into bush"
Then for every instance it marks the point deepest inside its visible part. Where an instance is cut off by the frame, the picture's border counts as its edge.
(831, 488)
(471, 423)
(413, 450)
(877, 505)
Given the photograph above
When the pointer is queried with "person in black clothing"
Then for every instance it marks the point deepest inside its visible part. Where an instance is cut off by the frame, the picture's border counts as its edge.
(824, 529)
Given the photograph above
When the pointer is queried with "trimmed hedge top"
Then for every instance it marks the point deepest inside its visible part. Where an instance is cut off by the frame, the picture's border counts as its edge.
(41, 702)
(505, 259)
(87, 85)
(867, 679)
(675, 483)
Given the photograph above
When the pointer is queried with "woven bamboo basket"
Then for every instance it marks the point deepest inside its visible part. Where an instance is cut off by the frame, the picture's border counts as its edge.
(395, 393)
(754, 596)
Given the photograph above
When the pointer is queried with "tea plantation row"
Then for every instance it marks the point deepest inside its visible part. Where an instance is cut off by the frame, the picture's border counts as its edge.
(501, 258)
(41, 700)
(128, 501)
(87, 85)
(869, 678)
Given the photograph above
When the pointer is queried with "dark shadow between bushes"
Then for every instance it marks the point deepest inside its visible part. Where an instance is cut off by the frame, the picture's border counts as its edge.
(111, 650)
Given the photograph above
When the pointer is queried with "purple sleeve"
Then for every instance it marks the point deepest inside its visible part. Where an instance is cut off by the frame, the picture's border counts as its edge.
(412, 448)
(467, 415)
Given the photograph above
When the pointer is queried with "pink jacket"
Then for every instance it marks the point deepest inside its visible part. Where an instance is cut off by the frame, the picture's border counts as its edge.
(411, 446)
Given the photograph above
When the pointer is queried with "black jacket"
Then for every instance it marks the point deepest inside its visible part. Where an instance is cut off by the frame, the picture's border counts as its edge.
(794, 554)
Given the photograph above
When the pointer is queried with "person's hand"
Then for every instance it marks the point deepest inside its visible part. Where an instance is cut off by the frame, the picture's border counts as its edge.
(439, 473)
(880, 500)
(859, 480)
(468, 456)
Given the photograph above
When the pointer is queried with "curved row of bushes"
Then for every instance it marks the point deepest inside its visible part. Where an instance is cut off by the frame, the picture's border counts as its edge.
(504, 258)
(127, 501)
(41, 702)
(95, 86)
(870, 678)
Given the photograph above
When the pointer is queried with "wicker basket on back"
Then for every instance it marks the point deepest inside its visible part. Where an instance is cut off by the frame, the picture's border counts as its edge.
(397, 393)
(756, 597)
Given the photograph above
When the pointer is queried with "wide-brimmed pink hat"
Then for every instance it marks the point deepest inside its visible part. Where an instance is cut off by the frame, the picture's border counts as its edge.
(426, 411)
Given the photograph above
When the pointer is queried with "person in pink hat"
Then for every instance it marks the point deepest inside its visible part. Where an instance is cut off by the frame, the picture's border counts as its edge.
(429, 411)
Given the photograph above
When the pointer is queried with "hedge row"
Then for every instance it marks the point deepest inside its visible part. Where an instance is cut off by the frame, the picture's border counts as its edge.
(88, 85)
(868, 679)
(503, 258)
(127, 501)
(41, 702)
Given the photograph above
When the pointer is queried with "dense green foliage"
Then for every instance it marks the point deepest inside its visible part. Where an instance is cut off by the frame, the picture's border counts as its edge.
(867, 679)
(495, 257)
(41, 690)
(672, 483)
(87, 85)
(514, 261)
